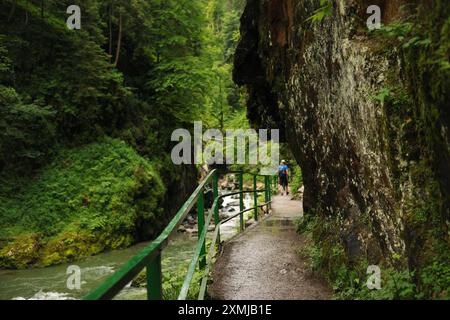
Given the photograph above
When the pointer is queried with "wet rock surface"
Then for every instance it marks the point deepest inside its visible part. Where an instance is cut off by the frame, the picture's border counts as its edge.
(368, 167)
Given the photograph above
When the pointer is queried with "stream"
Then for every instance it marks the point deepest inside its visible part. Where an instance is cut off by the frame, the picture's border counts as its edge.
(50, 283)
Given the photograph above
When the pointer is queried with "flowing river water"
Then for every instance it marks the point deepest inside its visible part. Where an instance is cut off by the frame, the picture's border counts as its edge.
(51, 283)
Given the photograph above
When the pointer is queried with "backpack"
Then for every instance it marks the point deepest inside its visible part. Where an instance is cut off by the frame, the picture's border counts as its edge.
(282, 171)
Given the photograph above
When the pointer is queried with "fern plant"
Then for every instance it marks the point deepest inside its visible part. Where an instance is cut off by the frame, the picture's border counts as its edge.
(325, 10)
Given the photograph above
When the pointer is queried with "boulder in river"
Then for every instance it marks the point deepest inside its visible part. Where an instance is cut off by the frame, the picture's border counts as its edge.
(191, 220)
(249, 222)
(192, 231)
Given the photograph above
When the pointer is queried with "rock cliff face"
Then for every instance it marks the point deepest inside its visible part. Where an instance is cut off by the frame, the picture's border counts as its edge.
(365, 118)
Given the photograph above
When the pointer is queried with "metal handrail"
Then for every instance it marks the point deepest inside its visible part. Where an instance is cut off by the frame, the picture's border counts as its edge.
(150, 257)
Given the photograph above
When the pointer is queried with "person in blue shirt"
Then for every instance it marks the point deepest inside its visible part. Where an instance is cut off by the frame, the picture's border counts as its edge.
(283, 177)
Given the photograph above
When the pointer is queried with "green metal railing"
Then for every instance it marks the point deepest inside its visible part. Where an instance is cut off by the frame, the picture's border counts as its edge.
(150, 257)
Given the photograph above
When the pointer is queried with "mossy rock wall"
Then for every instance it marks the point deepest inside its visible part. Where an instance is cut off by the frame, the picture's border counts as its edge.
(366, 116)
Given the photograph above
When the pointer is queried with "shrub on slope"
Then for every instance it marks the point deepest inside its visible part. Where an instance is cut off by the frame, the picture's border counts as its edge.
(90, 199)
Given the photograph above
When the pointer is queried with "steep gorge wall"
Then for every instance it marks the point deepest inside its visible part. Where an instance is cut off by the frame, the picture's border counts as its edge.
(376, 170)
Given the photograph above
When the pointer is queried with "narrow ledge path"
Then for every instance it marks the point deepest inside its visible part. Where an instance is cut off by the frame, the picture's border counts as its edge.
(263, 262)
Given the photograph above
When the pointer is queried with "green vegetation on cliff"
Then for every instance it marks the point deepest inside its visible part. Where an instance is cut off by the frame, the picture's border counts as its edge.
(366, 116)
(86, 118)
(96, 197)
(415, 96)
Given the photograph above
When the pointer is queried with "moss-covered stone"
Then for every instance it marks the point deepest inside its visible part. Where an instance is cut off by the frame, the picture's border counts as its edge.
(21, 252)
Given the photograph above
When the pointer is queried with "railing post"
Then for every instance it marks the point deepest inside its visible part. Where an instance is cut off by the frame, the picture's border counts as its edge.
(267, 193)
(201, 226)
(241, 199)
(255, 197)
(275, 184)
(266, 190)
(154, 279)
(216, 208)
(270, 189)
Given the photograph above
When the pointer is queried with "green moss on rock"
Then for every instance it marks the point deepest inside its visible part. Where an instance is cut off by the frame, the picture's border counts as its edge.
(20, 253)
(102, 196)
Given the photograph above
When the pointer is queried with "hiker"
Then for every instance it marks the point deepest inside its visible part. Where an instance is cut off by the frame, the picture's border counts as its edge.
(283, 177)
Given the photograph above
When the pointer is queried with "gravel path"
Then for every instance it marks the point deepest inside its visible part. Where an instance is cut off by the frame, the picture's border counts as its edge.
(263, 262)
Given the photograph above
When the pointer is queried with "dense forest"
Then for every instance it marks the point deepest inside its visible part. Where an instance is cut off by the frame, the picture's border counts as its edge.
(87, 115)
(86, 118)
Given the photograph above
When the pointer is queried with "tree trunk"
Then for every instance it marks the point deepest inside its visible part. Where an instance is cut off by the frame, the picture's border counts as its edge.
(119, 41)
(110, 31)
(26, 12)
(222, 125)
(11, 13)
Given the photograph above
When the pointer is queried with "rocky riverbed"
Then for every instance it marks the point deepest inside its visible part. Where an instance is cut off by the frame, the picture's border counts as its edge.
(229, 206)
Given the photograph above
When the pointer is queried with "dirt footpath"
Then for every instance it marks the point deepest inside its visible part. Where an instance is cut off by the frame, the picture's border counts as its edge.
(263, 263)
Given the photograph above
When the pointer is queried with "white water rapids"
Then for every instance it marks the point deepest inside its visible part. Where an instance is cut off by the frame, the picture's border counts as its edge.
(50, 283)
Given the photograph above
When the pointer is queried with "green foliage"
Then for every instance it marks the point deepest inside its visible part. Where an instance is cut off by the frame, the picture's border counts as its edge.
(172, 283)
(305, 224)
(349, 278)
(395, 96)
(404, 33)
(412, 35)
(324, 11)
(133, 66)
(171, 66)
(395, 285)
(184, 77)
(27, 130)
(101, 188)
(180, 71)
(435, 280)
(382, 95)
(59, 77)
(5, 61)
(225, 102)
(98, 186)
(398, 30)
(296, 178)
(173, 279)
